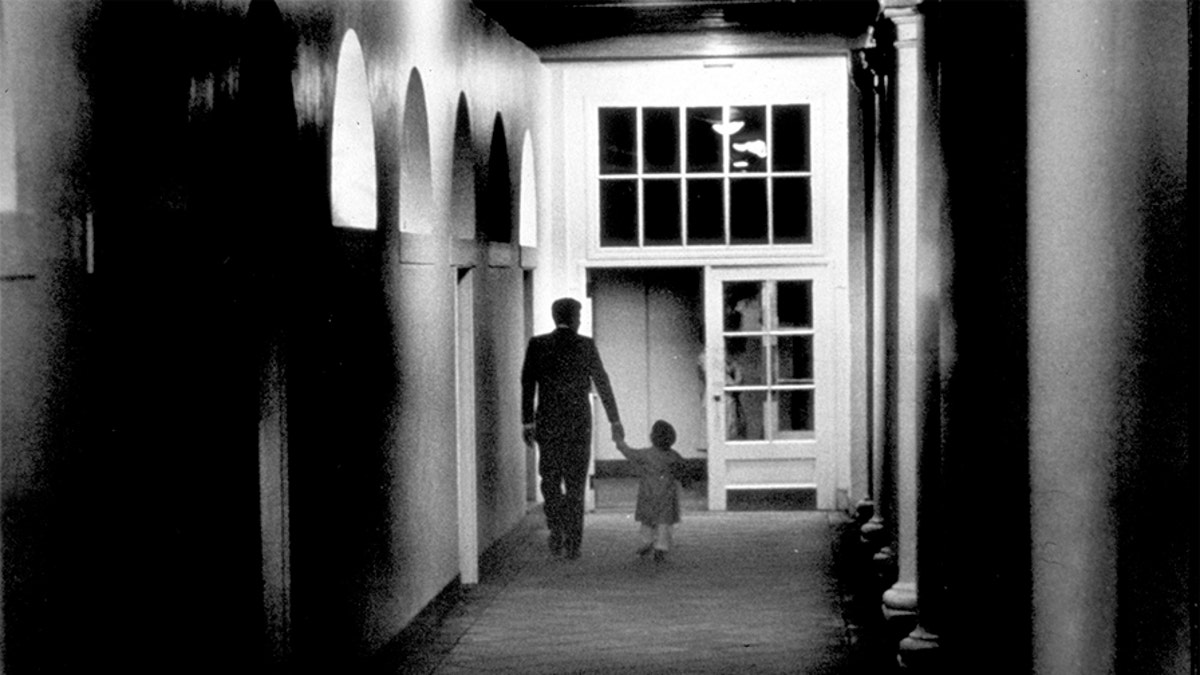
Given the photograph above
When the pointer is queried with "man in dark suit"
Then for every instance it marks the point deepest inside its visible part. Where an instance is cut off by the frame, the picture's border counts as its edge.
(559, 372)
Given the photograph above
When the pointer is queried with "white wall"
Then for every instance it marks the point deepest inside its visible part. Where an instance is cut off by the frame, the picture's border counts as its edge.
(577, 89)
(649, 327)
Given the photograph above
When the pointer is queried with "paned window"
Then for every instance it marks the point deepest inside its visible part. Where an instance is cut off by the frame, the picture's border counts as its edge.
(705, 176)
(769, 385)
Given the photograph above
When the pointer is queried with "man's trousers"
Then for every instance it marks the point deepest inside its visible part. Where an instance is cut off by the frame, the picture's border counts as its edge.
(563, 468)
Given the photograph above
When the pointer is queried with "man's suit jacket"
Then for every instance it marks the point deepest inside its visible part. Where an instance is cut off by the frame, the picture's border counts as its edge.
(559, 371)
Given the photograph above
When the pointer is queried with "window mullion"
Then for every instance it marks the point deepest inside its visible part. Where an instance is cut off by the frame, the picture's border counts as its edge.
(683, 171)
(769, 323)
(639, 162)
(725, 187)
(770, 208)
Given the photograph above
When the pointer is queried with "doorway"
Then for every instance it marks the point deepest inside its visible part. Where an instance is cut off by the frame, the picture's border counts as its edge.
(649, 328)
(749, 362)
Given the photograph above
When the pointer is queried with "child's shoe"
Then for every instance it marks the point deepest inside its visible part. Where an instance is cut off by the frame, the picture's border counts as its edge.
(659, 555)
(645, 549)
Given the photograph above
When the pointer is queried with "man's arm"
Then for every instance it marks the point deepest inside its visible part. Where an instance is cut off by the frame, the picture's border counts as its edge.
(528, 391)
(604, 389)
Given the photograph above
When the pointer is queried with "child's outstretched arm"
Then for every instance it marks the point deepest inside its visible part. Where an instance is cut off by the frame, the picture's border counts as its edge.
(631, 453)
(678, 468)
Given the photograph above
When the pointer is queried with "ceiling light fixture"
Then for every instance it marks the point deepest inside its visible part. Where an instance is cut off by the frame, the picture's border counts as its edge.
(728, 128)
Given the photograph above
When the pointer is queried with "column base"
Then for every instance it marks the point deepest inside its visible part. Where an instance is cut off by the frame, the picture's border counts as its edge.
(872, 533)
(920, 652)
(864, 511)
(900, 609)
(885, 567)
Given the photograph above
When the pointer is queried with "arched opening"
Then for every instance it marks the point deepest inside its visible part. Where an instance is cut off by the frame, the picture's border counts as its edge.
(496, 217)
(352, 181)
(462, 177)
(415, 210)
(528, 220)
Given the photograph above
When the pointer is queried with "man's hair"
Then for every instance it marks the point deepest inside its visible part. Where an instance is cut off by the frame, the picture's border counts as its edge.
(565, 310)
(662, 434)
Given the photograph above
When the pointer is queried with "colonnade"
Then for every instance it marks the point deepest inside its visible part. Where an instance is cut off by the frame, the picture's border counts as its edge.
(911, 341)
(1036, 197)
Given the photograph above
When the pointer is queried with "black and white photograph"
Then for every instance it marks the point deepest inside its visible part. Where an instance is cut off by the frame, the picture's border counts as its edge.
(637, 337)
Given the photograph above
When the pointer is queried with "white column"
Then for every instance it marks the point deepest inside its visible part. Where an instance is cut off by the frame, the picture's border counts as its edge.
(878, 248)
(274, 503)
(1111, 321)
(920, 305)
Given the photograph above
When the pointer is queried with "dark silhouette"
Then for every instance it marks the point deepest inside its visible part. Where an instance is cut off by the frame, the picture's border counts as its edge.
(559, 371)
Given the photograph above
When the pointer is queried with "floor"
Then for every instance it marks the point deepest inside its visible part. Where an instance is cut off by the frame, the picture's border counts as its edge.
(746, 592)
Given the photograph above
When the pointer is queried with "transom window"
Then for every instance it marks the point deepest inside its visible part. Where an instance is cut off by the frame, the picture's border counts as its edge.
(705, 176)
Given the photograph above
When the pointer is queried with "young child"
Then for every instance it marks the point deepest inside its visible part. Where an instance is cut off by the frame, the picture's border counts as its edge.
(658, 491)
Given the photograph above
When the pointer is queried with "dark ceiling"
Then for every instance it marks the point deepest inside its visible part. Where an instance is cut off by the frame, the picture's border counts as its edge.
(551, 24)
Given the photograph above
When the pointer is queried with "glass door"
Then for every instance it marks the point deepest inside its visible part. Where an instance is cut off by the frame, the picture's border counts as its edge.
(769, 383)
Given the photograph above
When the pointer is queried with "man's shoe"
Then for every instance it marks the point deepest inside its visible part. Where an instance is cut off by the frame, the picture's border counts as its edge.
(660, 556)
(555, 543)
(573, 554)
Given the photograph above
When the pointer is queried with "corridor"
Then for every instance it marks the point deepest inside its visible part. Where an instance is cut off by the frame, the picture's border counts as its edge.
(744, 592)
(269, 270)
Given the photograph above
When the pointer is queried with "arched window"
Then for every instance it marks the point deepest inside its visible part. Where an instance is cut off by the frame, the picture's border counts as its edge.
(352, 182)
(415, 180)
(496, 219)
(462, 179)
(528, 218)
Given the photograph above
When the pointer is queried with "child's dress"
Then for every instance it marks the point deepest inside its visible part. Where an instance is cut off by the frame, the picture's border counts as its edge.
(658, 493)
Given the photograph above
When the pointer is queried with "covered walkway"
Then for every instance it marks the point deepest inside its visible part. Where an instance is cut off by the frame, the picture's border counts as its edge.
(745, 592)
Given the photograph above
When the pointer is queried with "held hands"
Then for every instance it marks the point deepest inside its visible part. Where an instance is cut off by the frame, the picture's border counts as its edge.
(618, 436)
(618, 433)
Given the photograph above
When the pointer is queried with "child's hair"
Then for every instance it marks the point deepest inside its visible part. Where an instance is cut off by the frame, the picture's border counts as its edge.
(662, 434)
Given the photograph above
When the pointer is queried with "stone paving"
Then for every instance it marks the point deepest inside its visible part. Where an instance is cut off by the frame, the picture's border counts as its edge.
(750, 592)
